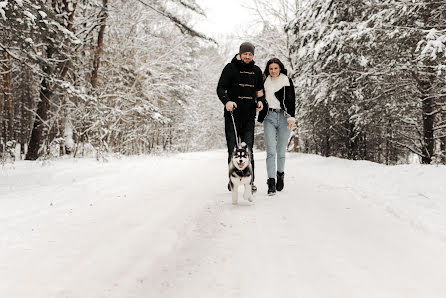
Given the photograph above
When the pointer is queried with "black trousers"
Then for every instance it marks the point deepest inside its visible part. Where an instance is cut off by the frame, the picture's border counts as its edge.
(245, 131)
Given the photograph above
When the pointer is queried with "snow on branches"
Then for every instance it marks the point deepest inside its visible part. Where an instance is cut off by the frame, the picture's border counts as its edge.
(362, 67)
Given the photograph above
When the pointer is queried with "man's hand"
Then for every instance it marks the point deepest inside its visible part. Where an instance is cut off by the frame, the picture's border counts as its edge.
(291, 125)
(230, 105)
(259, 106)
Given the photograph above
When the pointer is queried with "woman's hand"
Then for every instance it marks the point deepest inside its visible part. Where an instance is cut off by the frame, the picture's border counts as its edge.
(259, 106)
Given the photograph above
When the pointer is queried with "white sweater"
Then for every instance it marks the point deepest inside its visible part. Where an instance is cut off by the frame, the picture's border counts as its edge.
(273, 85)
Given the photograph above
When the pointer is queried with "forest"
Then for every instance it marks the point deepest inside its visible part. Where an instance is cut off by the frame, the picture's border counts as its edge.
(101, 77)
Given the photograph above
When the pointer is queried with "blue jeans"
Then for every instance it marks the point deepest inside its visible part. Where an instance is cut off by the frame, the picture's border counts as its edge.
(277, 133)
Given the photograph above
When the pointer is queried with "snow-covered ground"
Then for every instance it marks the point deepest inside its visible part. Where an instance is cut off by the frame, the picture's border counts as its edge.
(164, 226)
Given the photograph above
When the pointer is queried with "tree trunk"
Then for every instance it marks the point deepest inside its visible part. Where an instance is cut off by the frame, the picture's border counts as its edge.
(327, 145)
(69, 26)
(2, 100)
(352, 142)
(10, 106)
(27, 117)
(65, 111)
(428, 128)
(443, 150)
(363, 147)
(100, 44)
(388, 138)
(296, 143)
(6, 106)
(40, 129)
(424, 85)
(326, 138)
(443, 141)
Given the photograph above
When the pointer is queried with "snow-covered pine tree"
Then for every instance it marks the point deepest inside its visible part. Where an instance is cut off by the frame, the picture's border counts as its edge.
(368, 88)
(38, 41)
(415, 29)
(327, 78)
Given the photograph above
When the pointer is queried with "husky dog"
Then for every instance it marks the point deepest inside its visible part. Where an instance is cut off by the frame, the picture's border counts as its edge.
(240, 172)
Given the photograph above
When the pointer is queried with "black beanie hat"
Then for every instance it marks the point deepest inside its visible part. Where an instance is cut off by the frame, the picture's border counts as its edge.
(246, 47)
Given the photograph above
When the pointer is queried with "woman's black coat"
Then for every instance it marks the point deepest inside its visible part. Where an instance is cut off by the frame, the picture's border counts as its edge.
(287, 99)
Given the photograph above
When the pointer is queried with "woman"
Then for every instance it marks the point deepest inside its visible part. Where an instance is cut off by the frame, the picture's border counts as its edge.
(278, 119)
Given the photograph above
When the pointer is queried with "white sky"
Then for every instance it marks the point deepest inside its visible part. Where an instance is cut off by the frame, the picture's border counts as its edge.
(224, 18)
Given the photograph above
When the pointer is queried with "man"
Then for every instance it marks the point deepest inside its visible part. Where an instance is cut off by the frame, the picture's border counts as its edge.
(240, 89)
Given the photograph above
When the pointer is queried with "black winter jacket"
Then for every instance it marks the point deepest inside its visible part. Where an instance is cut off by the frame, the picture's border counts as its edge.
(239, 82)
(287, 98)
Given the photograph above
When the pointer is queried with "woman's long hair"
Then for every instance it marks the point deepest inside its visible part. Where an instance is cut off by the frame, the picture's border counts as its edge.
(271, 61)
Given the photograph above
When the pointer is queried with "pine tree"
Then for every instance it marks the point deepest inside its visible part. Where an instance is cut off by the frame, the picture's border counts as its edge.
(367, 81)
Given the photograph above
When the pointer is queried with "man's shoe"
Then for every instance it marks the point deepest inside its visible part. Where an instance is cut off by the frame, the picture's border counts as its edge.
(279, 185)
(253, 188)
(271, 186)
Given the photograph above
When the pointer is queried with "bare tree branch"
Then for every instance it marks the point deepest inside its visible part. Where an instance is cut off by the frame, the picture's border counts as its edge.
(180, 24)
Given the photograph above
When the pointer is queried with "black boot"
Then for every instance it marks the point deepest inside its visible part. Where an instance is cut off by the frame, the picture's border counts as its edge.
(279, 185)
(271, 186)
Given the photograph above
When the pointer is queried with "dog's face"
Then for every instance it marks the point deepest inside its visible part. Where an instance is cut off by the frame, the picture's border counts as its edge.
(241, 157)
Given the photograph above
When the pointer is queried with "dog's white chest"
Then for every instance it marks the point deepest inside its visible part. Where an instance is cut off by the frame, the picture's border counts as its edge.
(241, 180)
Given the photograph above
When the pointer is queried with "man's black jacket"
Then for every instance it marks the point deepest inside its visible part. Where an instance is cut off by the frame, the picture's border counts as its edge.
(239, 82)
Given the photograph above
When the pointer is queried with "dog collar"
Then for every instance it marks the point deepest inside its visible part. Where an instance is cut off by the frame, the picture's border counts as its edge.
(241, 172)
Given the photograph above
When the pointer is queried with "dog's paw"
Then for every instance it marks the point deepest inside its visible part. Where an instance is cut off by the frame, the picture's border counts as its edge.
(248, 197)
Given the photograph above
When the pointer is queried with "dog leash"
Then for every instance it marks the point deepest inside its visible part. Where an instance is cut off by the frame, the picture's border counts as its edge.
(235, 129)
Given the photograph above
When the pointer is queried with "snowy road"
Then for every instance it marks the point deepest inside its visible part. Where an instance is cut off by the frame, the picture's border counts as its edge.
(165, 227)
